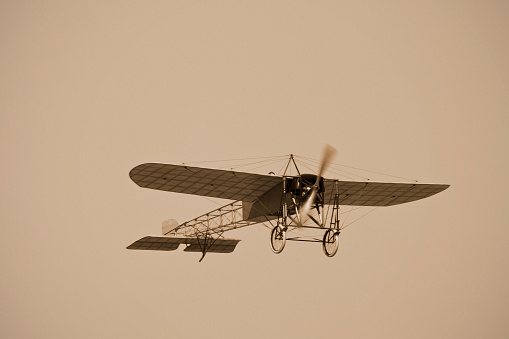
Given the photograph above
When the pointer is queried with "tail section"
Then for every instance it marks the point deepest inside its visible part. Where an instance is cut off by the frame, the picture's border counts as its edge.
(169, 225)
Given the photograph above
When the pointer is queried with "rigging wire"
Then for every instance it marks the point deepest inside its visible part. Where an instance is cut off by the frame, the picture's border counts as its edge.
(351, 209)
(358, 197)
(252, 163)
(241, 159)
(264, 225)
(256, 198)
(363, 169)
(362, 216)
(337, 170)
(281, 170)
(308, 164)
(341, 172)
(266, 163)
(215, 202)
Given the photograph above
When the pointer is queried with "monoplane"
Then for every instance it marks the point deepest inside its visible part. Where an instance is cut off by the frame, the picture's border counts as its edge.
(287, 202)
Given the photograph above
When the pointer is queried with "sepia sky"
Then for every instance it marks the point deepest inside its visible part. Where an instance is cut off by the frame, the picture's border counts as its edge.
(90, 89)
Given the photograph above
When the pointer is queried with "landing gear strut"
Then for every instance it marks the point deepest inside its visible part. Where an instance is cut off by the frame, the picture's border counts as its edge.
(302, 206)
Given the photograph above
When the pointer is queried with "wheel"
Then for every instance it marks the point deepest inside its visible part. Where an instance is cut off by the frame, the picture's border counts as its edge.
(277, 239)
(330, 242)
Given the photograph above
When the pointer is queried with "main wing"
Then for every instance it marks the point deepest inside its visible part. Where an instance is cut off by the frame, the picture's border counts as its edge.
(357, 193)
(203, 181)
(248, 187)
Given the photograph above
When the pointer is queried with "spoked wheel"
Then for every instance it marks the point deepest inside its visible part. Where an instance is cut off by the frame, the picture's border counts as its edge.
(277, 239)
(330, 242)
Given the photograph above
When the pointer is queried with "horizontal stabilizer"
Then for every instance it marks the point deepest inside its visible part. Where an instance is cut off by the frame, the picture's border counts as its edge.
(156, 244)
(153, 243)
(216, 246)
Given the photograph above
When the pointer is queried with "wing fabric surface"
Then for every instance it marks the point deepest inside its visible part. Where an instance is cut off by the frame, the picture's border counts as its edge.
(356, 193)
(153, 243)
(203, 181)
(249, 187)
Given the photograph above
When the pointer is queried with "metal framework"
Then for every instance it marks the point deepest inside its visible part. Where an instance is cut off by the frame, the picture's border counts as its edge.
(295, 202)
(296, 192)
(210, 226)
(214, 223)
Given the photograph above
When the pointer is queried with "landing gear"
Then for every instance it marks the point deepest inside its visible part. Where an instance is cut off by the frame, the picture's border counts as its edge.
(278, 239)
(330, 242)
(303, 207)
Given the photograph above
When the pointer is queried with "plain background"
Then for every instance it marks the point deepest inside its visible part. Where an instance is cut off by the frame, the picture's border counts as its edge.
(90, 89)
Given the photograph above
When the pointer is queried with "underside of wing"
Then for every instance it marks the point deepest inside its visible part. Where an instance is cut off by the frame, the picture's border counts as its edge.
(161, 243)
(203, 181)
(356, 193)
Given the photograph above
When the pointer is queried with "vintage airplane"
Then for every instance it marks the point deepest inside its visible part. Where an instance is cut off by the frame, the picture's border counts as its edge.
(291, 202)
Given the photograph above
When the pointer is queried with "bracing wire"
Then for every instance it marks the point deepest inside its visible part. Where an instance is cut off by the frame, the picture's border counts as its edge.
(307, 163)
(251, 193)
(241, 159)
(282, 169)
(266, 163)
(358, 197)
(332, 171)
(215, 202)
(335, 170)
(363, 169)
(351, 210)
(362, 216)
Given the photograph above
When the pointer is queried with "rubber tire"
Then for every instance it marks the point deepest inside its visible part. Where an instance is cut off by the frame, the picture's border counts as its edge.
(331, 251)
(277, 231)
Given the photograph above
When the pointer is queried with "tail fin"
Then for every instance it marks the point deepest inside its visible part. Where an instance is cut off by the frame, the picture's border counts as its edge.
(169, 225)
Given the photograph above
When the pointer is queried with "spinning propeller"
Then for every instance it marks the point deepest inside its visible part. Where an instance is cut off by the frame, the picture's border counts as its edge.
(328, 154)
